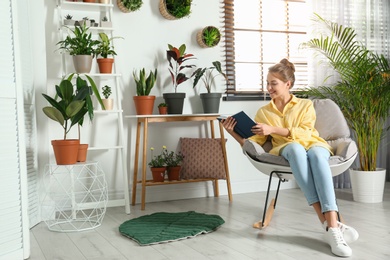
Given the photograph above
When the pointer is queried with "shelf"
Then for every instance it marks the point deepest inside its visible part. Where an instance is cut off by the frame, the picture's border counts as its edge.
(81, 6)
(92, 28)
(105, 148)
(103, 112)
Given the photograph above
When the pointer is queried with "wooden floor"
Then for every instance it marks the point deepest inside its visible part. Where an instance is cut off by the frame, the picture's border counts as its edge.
(294, 233)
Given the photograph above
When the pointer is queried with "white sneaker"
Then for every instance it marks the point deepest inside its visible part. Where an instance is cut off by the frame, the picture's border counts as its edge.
(335, 239)
(350, 234)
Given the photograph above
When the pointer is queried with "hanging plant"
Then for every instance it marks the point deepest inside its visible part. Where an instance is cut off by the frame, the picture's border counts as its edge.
(128, 6)
(175, 9)
(208, 37)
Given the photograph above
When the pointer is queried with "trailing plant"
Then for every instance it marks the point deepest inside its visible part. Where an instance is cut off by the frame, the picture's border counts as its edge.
(211, 36)
(206, 74)
(178, 8)
(132, 5)
(80, 42)
(363, 90)
(176, 58)
(144, 84)
(106, 91)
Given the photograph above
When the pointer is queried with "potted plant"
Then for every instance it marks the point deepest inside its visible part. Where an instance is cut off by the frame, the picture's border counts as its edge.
(163, 108)
(176, 58)
(208, 37)
(81, 46)
(173, 163)
(67, 111)
(363, 95)
(175, 9)
(144, 83)
(108, 102)
(210, 101)
(68, 20)
(105, 22)
(127, 6)
(157, 165)
(105, 51)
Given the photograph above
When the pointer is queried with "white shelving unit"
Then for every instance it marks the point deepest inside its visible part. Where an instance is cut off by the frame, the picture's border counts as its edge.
(97, 11)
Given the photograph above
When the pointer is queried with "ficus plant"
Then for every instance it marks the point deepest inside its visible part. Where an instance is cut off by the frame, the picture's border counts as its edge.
(176, 58)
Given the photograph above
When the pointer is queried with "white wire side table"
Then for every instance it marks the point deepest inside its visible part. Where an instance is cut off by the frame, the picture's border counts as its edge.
(75, 197)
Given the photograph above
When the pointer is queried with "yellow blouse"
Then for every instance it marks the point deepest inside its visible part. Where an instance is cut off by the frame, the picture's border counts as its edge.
(298, 117)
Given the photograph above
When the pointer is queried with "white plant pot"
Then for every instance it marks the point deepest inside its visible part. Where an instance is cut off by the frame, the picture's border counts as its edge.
(368, 186)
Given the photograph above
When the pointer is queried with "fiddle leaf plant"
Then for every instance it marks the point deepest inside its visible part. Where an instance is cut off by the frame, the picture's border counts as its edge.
(68, 109)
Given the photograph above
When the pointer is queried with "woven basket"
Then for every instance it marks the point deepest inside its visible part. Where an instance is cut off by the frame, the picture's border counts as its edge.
(199, 39)
(122, 7)
(164, 11)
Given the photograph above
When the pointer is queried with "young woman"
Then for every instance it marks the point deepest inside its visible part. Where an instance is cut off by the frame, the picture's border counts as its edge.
(290, 122)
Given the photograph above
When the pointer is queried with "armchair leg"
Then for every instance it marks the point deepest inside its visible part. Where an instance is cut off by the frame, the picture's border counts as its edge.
(268, 212)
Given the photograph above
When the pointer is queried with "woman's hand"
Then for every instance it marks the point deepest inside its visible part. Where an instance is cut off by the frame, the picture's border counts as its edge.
(229, 124)
(262, 129)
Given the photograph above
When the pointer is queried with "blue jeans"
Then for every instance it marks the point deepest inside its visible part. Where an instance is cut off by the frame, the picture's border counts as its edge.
(312, 172)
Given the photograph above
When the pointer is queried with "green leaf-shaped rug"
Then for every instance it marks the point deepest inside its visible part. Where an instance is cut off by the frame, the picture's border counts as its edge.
(163, 227)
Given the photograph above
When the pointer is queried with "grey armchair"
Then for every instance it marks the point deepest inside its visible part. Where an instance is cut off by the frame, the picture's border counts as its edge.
(331, 126)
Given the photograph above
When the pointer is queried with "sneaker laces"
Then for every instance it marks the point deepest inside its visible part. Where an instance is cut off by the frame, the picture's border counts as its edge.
(338, 236)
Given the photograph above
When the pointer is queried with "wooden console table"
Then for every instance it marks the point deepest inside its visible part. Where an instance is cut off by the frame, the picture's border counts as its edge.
(145, 120)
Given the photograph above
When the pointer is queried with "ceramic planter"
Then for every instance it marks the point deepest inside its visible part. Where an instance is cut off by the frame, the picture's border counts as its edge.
(163, 110)
(144, 104)
(175, 102)
(368, 186)
(66, 151)
(108, 103)
(210, 102)
(82, 63)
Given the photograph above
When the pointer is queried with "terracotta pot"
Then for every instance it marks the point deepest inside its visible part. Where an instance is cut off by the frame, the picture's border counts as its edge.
(82, 153)
(66, 151)
(144, 104)
(105, 65)
(158, 173)
(163, 110)
(174, 173)
(108, 103)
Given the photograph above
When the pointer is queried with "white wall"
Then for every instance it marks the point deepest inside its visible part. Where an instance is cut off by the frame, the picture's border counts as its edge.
(146, 35)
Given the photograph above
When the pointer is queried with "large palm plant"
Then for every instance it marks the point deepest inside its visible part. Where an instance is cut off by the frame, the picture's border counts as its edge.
(363, 89)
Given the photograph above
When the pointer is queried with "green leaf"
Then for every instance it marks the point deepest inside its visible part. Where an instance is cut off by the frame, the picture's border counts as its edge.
(54, 114)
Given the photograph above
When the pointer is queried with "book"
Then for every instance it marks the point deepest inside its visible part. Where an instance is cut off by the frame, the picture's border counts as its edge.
(244, 124)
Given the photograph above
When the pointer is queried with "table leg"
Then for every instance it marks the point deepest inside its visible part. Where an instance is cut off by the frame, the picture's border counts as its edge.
(135, 176)
(223, 143)
(144, 164)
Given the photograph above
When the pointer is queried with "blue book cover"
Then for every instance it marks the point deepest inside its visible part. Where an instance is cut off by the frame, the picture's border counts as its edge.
(244, 124)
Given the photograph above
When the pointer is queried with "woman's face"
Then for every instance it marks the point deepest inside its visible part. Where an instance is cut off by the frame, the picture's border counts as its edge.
(276, 87)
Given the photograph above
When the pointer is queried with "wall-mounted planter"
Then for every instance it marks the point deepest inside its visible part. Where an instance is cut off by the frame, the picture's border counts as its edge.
(129, 5)
(175, 9)
(208, 37)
